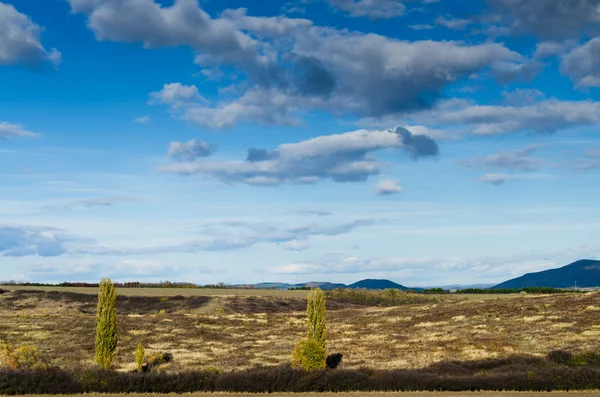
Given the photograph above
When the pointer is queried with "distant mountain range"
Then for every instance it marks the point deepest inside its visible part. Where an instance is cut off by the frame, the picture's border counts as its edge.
(584, 273)
(367, 284)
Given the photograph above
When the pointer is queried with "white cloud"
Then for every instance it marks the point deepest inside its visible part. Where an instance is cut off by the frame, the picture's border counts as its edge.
(190, 150)
(544, 116)
(342, 157)
(387, 187)
(453, 23)
(295, 245)
(512, 160)
(175, 94)
(497, 179)
(142, 120)
(8, 130)
(20, 40)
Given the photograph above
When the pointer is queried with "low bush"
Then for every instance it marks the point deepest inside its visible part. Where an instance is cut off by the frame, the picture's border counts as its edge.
(155, 360)
(519, 373)
(24, 357)
(560, 357)
(388, 297)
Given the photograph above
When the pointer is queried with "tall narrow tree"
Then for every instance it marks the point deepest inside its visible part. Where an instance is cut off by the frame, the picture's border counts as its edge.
(106, 328)
(316, 313)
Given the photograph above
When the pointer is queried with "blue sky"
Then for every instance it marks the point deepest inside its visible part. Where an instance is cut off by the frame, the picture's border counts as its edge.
(427, 142)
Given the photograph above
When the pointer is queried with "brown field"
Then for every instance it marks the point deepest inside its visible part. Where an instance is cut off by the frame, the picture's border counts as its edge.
(171, 291)
(381, 394)
(229, 332)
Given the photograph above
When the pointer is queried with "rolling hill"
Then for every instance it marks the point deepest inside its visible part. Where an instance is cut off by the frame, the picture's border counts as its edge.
(376, 284)
(584, 273)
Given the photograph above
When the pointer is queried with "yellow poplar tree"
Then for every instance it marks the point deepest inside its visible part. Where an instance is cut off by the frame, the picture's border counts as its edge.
(316, 313)
(106, 327)
(311, 353)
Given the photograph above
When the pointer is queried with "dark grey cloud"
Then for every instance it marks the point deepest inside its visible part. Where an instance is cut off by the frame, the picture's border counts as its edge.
(347, 157)
(190, 150)
(314, 78)
(554, 19)
(255, 155)
(21, 240)
(418, 145)
(511, 160)
(374, 9)
(20, 40)
(582, 64)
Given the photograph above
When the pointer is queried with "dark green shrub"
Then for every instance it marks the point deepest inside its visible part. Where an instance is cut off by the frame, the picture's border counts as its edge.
(560, 357)
(333, 360)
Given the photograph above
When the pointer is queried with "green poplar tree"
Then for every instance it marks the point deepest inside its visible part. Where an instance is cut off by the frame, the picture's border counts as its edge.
(106, 328)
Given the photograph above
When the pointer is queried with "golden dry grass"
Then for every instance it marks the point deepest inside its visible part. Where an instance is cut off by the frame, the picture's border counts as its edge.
(170, 291)
(381, 394)
(238, 332)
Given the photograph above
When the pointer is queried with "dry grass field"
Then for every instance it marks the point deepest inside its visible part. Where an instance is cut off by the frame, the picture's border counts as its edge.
(230, 332)
(171, 291)
(376, 394)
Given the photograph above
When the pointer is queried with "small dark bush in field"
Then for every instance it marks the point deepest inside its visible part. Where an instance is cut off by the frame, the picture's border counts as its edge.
(157, 359)
(560, 357)
(333, 360)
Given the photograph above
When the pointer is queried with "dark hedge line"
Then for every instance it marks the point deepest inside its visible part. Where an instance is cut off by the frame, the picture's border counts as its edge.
(515, 373)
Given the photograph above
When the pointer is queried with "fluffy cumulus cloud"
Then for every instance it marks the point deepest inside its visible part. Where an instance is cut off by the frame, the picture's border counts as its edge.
(347, 157)
(175, 94)
(582, 64)
(511, 160)
(387, 187)
(556, 19)
(291, 66)
(190, 150)
(543, 116)
(374, 9)
(20, 40)
(8, 130)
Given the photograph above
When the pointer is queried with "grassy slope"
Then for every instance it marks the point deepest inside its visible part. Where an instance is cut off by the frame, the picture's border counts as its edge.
(234, 332)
